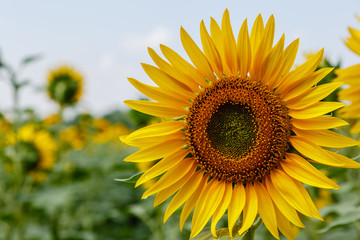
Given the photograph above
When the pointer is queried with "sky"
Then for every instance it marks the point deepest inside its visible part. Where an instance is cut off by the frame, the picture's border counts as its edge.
(107, 40)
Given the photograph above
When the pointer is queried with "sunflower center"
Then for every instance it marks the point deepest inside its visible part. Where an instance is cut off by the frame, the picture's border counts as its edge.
(63, 88)
(232, 130)
(238, 130)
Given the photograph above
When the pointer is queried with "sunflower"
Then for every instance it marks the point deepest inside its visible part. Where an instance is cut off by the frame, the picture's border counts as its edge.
(35, 149)
(351, 76)
(241, 129)
(73, 136)
(105, 132)
(52, 119)
(65, 85)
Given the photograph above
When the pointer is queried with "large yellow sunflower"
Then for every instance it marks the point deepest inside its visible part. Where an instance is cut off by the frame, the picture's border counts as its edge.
(65, 85)
(241, 129)
(351, 77)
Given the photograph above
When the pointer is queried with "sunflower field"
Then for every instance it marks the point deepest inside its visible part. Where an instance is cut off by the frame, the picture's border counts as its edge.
(237, 142)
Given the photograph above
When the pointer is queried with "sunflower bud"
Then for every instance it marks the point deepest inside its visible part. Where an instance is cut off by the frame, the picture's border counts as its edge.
(65, 85)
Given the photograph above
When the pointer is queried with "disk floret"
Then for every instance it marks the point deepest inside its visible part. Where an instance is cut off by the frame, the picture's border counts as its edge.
(238, 130)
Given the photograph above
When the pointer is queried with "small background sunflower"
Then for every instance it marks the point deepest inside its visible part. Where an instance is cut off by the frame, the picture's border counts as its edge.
(65, 85)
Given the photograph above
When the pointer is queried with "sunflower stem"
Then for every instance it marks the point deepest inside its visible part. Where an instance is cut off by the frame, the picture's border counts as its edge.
(250, 233)
(61, 111)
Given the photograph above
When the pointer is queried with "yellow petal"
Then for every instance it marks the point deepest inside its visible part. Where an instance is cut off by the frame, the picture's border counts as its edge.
(159, 95)
(312, 96)
(351, 111)
(170, 70)
(306, 83)
(270, 64)
(250, 208)
(219, 212)
(256, 33)
(184, 194)
(351, 80)
(182, 65)
(355, 34)
(355, 128)
(229, 44)
(300, 169)
(322, 122)
(294, 77)
(236, 205)
(155, 108)
(315, 110)
(196, 55)
(244, 50)
(210, 50)
(314, 152)
(163, 165)
(284, 225)
(166, 82)
(286, 62)
(288, 189)
(207, 206)
(350, 94)
(216, 36)
(352, 71)
(155, 130)
(266, 209)
(166, 193)
(157, 151)
(308, 199)
(263, 49)
(353, 45)
(142, 142)
(172, 176)
(347, 162)
(326, 138)
(268, 36)
(190, 203)
(283, 206)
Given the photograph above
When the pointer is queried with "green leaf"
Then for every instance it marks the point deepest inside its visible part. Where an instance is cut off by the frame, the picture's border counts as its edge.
(24, 83)
(346, 219)
(29, 59)
(131, 179)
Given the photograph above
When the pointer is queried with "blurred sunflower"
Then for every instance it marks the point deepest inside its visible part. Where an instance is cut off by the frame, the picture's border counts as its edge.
(5, 125)
(323, 198)
(351, 77)
(73, 136)
(52, 119)
(104, 131)
(5, 128)
(65, 85)
(35, 149)
(241, 128)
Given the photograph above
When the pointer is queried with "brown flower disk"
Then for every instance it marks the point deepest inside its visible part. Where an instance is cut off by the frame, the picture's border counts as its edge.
(238, 130)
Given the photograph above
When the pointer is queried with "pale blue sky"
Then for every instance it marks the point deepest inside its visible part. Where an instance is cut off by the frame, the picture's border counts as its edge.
(107, 40)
